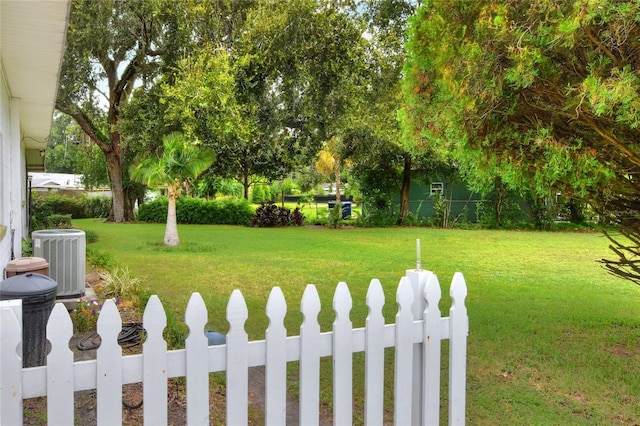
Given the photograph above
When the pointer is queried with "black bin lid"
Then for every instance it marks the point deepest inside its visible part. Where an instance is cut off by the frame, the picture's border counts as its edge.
(29, 284)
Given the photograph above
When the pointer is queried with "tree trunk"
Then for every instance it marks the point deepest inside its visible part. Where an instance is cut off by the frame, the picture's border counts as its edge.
(337, 172)
(404, 192)
(171, 230)
(118, 195)
(245, 185)
(110, 147)
(499, 202)
(576, 211)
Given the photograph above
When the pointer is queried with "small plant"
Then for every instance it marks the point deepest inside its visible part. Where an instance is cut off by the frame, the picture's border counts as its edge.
(99, 259)
(85, 315)
(27, 247)
(175, 332)
(120, 283)
(91, 236)
(297, 217)
(440, 210)
(335, 216)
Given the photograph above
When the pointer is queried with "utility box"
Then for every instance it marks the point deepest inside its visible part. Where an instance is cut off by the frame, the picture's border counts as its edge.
(38, 294)
(27, 264)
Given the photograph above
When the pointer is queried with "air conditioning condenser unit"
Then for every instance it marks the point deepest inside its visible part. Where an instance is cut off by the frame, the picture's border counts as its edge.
(66, 251)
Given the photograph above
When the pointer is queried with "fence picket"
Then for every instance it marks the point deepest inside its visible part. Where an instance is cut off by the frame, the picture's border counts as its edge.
(237, 361)
(276, 360)
(310, 358)
(154, 352)
(11, 362)
(404, 353)
(109, 365)
(374, 356)
(197, 356)
(60, 367)
(342, 357)
(432, 346)
(459, 323)
(418, 278)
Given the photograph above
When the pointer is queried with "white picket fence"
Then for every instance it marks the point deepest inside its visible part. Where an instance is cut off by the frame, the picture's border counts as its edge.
(416, 336)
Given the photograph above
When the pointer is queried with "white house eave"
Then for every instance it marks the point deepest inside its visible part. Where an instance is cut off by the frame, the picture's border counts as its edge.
(32, 42)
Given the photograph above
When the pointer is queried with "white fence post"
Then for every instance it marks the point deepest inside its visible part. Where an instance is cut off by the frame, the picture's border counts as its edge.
(418, 279)
(60, 368)
(276, 360)
(342, 357)
(432, 353)
(154, 353)
(11, 362)
(237, 361)
(196, 353)
(109, 366)
(374, 356)
(459, 330)
(310, 358)
(404, 365)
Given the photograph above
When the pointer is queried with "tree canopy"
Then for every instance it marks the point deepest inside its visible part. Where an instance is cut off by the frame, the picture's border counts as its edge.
(544, 95)
(263, 83)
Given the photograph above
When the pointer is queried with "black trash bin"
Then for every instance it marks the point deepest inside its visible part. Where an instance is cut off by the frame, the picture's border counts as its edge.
(346, 208)
(38, 294)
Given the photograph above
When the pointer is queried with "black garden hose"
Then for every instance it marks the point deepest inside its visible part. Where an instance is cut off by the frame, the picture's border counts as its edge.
(129, 336)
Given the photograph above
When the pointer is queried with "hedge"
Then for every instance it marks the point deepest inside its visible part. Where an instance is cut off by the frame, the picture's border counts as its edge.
(198, 211)
(44, 206)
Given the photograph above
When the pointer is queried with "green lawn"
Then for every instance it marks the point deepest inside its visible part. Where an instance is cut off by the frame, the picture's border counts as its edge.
(553, 338)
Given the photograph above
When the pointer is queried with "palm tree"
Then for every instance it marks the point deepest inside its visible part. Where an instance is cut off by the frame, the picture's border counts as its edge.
(329, 162)
(180, 161)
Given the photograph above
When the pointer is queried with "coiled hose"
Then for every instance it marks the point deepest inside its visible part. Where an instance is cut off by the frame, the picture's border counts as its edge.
(130, 335)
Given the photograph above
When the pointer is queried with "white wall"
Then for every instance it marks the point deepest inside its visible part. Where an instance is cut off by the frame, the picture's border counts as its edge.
(5, 173)
(13, 187)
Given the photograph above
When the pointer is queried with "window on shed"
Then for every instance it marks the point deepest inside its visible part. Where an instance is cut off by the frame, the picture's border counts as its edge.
(437, 188)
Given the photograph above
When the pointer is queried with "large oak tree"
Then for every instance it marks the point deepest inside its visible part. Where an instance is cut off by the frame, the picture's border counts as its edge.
(111, 46)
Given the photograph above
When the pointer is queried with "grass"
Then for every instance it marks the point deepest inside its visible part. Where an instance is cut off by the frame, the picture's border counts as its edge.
(553, 338)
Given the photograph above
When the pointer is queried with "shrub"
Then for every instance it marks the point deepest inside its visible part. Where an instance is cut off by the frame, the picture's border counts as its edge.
(91, 236)
(229, 188)
(297, 217)
(335, 216)
(42, 207)
(97, 206)
(190, 210)
(45, 206)
(58, 221)
(269, 215)
(260, 194)
(99, 259)
(154, 211)
(27, 247)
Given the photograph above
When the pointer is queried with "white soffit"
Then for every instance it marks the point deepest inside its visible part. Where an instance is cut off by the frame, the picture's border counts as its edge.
(32, 40)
